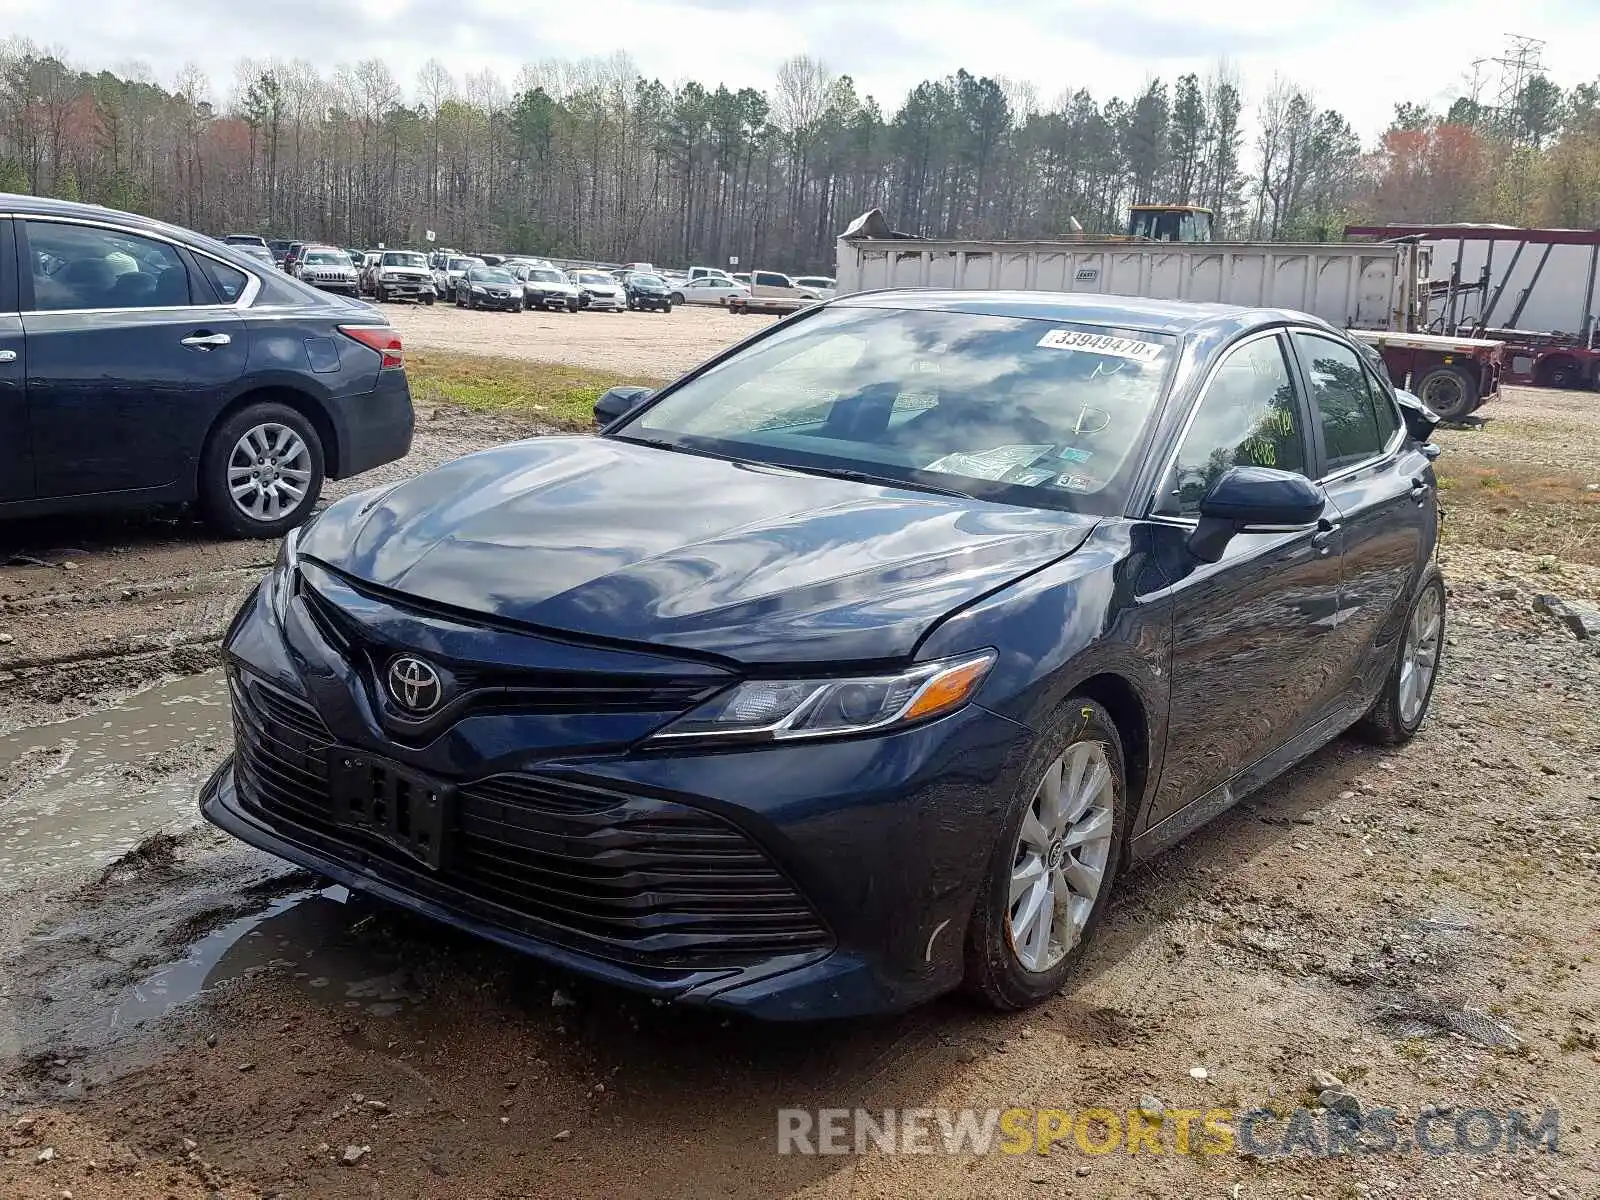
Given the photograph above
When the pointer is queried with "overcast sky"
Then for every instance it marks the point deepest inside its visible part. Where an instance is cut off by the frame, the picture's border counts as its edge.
(1358, 56)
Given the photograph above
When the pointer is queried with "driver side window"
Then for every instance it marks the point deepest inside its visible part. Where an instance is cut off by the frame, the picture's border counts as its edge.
(1247, 417)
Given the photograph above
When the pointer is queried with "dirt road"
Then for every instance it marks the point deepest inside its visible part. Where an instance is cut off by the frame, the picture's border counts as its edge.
(182, 1017)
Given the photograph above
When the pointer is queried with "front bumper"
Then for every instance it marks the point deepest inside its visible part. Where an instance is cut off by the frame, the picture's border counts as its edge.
(405, 289)
(651, 301)
(606, 302)
(502, 303)
(885, 840)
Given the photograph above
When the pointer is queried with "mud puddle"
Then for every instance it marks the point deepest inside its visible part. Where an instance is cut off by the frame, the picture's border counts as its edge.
(81, 793)
(302, 935)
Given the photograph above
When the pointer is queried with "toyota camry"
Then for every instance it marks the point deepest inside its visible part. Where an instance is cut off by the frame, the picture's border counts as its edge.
(854, 666)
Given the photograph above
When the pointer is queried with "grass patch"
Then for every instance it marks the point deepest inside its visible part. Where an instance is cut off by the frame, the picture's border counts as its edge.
(551, 393)
(1514, 506)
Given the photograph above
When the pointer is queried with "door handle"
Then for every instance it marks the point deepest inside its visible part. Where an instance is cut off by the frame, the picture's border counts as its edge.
(8, 356)
(206, 341)
(1322, 539)
(1420, 488)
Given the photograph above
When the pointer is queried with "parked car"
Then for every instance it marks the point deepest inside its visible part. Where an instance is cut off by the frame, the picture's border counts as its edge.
(820, 287)
(598, 291)
(260, 253)
(645, 292)
(774, 285)
(742, 277)
(245, 239)
(708, 290)
(710, 273)
(279, 248)
(328, 268)
(401, 275)
(1121, 564)
(291, 256)
(546, 288)
(150, 379)
(489, 287)
(447, 278)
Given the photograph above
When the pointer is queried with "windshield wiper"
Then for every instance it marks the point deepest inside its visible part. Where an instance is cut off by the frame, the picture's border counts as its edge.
(915, 485)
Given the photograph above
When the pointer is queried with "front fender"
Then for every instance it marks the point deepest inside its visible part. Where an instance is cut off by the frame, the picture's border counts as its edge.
(1083, 616)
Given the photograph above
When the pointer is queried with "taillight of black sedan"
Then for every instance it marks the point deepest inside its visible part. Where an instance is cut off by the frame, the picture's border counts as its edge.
(854, 666)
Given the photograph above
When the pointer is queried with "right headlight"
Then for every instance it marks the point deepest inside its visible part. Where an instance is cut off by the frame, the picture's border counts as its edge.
(762, 710)
(279, 586)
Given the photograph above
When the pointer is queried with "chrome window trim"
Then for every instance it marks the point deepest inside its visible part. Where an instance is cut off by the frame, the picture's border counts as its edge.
(252, 287)
(1396, 439)
(1194, 412)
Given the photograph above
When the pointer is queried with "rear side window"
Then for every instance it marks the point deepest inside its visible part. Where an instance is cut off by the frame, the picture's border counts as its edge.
(1357, 419)
(1248, 417)
(85, 267)
(229, 281)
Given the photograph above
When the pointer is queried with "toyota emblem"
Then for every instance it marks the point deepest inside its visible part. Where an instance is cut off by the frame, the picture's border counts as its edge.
(415, 685)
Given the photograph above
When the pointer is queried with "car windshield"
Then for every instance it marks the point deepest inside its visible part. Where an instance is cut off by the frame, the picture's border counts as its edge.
(489, 275)
(653, 280)
(327, 258)
(546, 276)
(594, 277)
(463, 264)
(398, 258)
(1029, 411)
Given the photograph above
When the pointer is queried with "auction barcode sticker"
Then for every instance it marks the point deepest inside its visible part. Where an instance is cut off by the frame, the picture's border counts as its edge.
(1102, 343)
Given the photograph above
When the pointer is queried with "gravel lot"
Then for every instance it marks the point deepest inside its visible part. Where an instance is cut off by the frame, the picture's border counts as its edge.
(1420, 923)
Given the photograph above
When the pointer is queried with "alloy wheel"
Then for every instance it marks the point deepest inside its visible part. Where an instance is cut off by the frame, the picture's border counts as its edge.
(1060, 857)
(269, 472)
(1419, 657)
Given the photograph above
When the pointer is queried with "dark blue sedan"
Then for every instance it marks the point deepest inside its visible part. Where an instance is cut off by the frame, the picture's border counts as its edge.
(144, 364)
(852, 667)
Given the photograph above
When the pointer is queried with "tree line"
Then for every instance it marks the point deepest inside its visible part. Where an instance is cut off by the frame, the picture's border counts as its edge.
(593, 160)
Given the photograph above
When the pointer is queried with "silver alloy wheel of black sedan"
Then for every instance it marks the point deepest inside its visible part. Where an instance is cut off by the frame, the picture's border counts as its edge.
(1419, 657)
(269, 472)
(1060, 857)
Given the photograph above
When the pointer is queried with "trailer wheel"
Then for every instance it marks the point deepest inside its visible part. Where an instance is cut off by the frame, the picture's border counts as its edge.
(1449, 391)
(1562, 373)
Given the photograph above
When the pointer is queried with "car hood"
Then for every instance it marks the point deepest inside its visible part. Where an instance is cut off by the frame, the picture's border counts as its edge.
(609, 539)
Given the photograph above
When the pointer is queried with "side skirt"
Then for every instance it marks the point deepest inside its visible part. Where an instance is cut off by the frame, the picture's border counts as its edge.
(1220, 799)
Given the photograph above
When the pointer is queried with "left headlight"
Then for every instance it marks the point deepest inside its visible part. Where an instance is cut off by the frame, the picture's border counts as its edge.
(761, 710)
(279, 586)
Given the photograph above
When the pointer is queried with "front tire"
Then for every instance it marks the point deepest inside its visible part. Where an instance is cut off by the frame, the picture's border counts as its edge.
(1050, 876)
(261, 472)
(677, 297)
(1402, 706)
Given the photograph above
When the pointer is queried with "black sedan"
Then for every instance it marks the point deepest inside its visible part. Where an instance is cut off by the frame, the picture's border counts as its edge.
(489, 287)
(143, 364)
(854, 666)
(646, 292)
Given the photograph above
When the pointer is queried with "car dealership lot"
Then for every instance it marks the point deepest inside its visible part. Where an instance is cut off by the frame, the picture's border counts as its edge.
(1418, 922)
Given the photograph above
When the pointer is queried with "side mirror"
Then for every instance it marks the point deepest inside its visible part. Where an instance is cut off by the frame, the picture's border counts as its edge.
(1420, 420)
(1254, 500)
(618, 403)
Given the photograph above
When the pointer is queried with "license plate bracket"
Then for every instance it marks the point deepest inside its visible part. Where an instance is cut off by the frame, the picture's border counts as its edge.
(401, 807)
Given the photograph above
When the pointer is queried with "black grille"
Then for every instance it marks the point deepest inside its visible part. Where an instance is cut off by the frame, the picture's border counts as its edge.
(612, 873)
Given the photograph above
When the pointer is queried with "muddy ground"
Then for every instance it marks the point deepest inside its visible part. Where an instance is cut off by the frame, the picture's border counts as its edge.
(183, 1017)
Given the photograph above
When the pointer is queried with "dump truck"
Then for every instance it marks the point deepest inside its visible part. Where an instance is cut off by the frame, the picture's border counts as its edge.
(1378, 291)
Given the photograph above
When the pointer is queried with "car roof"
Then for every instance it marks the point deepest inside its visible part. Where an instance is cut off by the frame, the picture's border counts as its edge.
(1176, 317)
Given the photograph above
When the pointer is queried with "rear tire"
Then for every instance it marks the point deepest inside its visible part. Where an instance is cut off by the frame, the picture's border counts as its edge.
(677, 298)
(222, 463)
(1081, 732)
(1449, 391)
(1402, 705)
